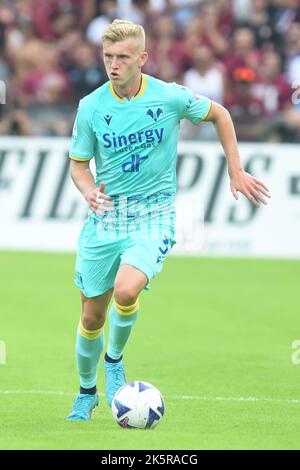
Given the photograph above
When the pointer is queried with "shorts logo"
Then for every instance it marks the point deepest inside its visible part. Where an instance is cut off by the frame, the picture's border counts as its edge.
(133, 165)
(163, 250)
(154, 115)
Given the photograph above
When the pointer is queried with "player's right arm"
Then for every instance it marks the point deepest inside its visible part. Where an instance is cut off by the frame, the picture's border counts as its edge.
(81, 152)
(83, 179)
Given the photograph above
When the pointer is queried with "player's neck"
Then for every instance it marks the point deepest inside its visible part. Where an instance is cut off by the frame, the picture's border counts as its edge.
(131, 89)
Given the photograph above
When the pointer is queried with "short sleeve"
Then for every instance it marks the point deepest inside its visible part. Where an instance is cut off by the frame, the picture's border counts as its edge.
(83, 138)
(195, 108)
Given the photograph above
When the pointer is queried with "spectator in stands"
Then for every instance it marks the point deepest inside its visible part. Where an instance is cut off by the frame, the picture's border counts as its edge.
(95, 29)
(260, 21)
(215, 27)
(244, 53)
(143, 12)
(271, 86)
(226, 18)
(291, 52)
(183, 11)
(246, 110)
(72, 40)
(16, 123)
(62, 22)
(206, 28)
(193, 37)
(284, 13)
(86, 74)
(45, 77)
(168, 58)
(207, 76)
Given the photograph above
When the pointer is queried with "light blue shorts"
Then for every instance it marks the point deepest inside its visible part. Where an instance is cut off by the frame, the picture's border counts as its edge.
(100, 255)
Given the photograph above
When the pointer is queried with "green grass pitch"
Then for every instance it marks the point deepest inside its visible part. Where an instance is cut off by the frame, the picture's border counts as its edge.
(214, 335)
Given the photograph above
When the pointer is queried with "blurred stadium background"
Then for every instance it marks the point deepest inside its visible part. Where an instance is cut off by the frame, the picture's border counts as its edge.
(238, 280)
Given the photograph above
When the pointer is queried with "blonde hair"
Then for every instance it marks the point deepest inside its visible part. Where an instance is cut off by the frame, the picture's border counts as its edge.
(119, 30)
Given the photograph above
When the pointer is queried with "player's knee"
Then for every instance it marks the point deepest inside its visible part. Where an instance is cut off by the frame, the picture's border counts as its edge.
(91, 322)
(125, 294)
(91, 319)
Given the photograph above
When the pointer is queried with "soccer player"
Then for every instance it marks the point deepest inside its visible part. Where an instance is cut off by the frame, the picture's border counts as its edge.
(130, 127)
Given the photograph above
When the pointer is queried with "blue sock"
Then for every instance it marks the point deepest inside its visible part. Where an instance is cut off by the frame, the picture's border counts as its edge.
(121, 321)
(89, 345)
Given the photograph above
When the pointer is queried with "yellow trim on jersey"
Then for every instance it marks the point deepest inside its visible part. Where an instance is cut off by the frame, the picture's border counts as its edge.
(79, 159)
(143, 87)
(87, 333)
(210, 105)
(136, 97)
(203, 119)
(126, 310)
(111, 88)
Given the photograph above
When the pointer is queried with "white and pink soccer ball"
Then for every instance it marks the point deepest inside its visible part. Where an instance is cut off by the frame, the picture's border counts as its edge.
(138, 405)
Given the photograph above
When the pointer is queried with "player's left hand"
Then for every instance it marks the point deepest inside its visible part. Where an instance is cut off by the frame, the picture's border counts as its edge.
(250, 186)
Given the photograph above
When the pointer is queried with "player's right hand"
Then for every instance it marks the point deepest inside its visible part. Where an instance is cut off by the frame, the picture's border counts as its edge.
(98, 201)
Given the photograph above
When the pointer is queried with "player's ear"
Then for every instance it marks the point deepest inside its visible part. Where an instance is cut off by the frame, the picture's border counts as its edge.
(143, 58)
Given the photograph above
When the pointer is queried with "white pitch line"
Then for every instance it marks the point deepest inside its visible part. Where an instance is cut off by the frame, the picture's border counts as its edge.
(35, 392)
(172, 397)
(254, 399)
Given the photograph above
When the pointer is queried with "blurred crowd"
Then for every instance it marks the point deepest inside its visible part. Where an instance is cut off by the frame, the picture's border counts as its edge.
(244, 54)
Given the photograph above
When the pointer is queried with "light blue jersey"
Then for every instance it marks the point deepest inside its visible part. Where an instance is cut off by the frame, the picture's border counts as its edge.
(134, 142)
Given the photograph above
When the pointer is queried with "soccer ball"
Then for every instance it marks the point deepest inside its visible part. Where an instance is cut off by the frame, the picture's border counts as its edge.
(138, 405)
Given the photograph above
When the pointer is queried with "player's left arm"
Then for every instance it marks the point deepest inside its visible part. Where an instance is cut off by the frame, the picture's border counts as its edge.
(240, 181)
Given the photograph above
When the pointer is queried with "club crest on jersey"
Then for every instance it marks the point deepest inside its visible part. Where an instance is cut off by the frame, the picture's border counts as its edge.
(154, 115)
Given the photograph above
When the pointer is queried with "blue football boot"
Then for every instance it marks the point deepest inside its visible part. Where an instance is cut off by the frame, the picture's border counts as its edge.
(114, 378)
(83, 407)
